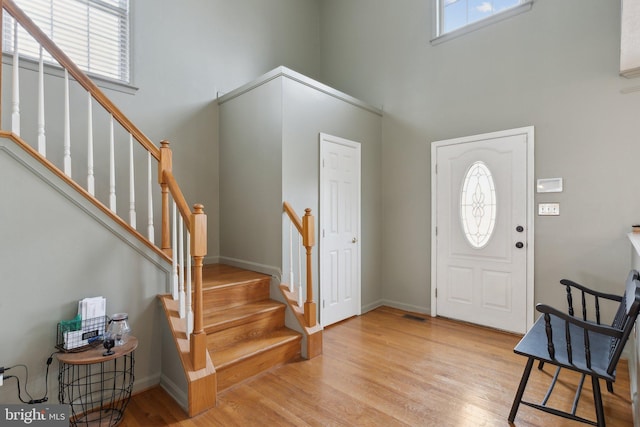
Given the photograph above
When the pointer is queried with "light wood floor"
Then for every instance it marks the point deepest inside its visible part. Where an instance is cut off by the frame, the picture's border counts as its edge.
(381, 369)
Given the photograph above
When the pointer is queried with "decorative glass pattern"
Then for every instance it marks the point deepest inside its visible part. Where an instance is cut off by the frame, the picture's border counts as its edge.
(478, 204)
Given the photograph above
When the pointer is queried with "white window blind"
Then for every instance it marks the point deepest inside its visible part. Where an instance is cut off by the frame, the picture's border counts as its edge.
(93, 33)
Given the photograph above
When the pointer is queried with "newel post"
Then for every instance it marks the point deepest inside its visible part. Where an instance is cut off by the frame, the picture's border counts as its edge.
(308, 240)
(165, 165)
(198, 233)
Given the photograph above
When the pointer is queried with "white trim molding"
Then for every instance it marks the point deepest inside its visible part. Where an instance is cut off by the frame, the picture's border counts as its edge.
(530, 235)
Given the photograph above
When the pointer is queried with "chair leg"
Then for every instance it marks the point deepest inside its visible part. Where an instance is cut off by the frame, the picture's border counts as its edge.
(597, 398)
(520, 392)
(610, 386)
(540, 364)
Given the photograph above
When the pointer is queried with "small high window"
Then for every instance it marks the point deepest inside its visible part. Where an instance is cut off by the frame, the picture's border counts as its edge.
(458, 14)
(94, 33)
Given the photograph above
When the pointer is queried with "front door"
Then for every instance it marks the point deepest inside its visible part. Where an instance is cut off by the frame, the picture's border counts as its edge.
(339, 229)
(483, 237)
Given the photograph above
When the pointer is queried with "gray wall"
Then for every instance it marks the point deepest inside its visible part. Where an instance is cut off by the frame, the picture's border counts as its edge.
(551, 68)
(269, 153)
(307, 112)
(251, 177)
(184, 53)
(49, 262)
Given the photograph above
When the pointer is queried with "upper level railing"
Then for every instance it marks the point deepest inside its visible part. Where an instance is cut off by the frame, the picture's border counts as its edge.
(306, 231)
(183, 231)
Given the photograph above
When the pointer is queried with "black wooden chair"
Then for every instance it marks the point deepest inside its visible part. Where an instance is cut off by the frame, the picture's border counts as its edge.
(580, 345)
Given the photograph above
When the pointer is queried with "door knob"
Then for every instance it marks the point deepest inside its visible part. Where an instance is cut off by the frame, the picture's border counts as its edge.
(355, 240)
(519, 229)
(519, 245)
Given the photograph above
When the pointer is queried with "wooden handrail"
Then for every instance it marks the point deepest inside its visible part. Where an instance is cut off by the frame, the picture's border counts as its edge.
(293, 216)
(79, 76)
(306, 228)
(97, 203)
(196, 221)
(181, 202)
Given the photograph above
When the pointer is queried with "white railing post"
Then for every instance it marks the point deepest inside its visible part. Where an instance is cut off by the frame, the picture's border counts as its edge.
(299, 273)
(132, 186)
(67, 126)
(291, 283)
(150, 230)
(42, 139)
(174, 249)
(112, 168)
(181, 293)
(15, 102)
(90, 175)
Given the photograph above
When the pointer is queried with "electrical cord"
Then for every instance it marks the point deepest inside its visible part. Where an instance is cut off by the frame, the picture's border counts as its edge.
(31, 400)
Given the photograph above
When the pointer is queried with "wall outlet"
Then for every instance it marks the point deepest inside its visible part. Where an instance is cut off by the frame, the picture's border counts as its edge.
(548, 209)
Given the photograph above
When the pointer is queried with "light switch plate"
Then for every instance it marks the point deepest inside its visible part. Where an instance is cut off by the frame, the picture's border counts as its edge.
(548, 209)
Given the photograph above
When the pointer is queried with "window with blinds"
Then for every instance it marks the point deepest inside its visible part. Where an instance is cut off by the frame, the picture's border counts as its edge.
(93, 33)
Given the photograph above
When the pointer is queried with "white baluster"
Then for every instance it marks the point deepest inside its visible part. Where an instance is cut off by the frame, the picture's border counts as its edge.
(188, 280)
(112, 169)
(174, 247)
(15, 102)
(90, 176)
(67, 126)
(132, 186)
(150, 229)
(299, 273)
(42, 139)
(291, 283)
(181, 295)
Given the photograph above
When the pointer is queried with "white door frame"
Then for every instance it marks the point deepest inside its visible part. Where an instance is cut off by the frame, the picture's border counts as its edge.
(325, 138)
(529, 132)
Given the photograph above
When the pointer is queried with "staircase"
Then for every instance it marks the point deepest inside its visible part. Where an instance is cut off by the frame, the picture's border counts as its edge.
(245, 328)
(224, 324)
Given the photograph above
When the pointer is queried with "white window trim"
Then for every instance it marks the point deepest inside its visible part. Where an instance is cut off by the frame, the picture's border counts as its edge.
(103, 81)
(500, 16)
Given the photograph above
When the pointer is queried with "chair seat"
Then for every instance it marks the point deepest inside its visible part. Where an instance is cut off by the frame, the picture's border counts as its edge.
(534, 344)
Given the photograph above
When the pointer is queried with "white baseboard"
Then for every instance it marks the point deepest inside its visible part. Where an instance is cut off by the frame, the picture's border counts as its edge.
(396, 304)
(175, 392)
(213, 259)
(372, 306)
(253, 266)
(142, 384)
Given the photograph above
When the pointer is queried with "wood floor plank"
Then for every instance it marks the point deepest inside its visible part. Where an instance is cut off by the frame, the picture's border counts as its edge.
(381, 369)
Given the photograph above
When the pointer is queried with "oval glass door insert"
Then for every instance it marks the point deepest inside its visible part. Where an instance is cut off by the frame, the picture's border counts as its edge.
(478, 205)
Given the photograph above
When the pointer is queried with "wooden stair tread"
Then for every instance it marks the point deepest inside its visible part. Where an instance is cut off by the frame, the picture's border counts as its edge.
(221, 275)
(245, 329)
(215, 319)
(231, 355)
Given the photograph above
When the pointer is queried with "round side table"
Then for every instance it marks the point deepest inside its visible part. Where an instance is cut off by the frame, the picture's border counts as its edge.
(97, 387)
